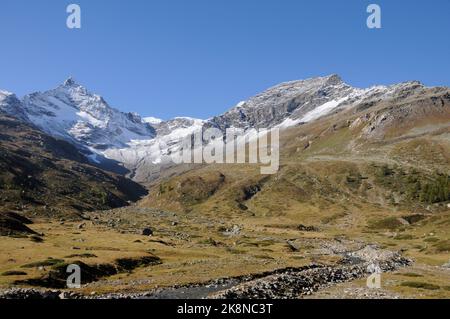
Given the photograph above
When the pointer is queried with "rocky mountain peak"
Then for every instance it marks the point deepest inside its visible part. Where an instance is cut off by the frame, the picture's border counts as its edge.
(72, 112)
(333, 79)
(70, 82)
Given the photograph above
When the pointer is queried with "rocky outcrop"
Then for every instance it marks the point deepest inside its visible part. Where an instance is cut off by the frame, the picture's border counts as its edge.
(287, 100)
(13, 224)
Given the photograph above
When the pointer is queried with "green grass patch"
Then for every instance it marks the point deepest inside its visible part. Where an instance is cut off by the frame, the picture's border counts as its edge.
(44, 263)
(420, 285)
(391, 223)
(329, 219)
(404, 237)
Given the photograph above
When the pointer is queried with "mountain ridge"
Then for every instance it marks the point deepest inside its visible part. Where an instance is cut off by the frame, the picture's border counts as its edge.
(142, 145)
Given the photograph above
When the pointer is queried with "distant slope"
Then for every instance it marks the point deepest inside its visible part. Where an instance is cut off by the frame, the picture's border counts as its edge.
(48, 177)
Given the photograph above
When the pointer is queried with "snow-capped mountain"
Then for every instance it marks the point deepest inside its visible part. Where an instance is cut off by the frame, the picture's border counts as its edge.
(70, 111)
(144, 145)
(302, 101)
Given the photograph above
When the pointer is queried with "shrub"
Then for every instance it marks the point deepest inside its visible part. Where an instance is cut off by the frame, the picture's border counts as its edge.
(14, 273)
(436, 191)
(411, 274)
(48, 262)
(443, 246)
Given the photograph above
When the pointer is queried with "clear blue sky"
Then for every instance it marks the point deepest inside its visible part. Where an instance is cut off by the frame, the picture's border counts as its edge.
(197, 58)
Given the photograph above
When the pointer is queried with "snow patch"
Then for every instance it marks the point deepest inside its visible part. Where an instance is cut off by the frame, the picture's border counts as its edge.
(322, 110)
(288, 123)
(152, 120)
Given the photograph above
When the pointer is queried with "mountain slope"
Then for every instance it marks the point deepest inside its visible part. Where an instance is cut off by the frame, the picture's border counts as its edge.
(49, 177)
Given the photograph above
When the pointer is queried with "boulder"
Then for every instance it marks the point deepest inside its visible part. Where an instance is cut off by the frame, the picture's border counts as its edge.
(307, 228)
(147, 232)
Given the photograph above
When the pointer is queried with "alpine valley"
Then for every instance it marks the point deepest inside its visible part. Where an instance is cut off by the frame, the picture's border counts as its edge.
(363, 184)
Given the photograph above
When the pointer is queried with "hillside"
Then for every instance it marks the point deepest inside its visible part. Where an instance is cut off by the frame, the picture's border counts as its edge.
(44, 176)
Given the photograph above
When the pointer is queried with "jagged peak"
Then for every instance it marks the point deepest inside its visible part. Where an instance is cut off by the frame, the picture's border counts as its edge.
(329, 80)
(6, 93)
(70, 82)
(333, 79)
(411, 83)
(71, 86)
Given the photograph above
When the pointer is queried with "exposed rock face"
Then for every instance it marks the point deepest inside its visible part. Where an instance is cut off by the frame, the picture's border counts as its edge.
(13, 224)
(291, 100)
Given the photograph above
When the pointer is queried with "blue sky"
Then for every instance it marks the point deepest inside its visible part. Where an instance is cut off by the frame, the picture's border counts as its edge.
(198, 58)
